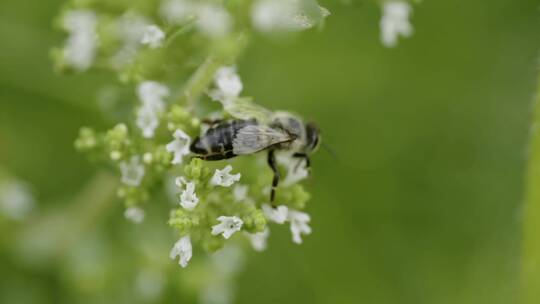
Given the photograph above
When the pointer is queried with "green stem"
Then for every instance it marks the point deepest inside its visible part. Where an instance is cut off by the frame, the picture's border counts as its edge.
(203, 76)
(531, 232)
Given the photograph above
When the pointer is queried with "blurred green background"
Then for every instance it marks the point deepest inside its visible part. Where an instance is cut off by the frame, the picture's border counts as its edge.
(422, 206)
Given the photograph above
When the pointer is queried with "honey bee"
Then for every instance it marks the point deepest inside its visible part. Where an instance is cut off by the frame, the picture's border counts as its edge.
(254, 129)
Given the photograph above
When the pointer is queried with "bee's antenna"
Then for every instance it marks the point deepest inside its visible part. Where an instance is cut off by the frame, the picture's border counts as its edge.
(330, 151)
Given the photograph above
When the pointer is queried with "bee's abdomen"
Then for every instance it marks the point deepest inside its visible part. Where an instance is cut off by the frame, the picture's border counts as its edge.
(217, 142)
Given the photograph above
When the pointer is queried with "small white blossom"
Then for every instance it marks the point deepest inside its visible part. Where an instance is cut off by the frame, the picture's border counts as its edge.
(295, 174)
(134, 214)
(259, 240)
(132, 171)
(278, 215)
(188, 197)
(228, 226)
(182, 249)
(179, 146)
(152, 94)
(16, 200)
(282, 15)
(213, 20)
(395, 22)
(296, 169)
(228, 85)
(224, 178)
(299, 225)
(147, 121)
(80, 47)
(240, 192)
(130, 30)
(153, 36)
(177, 11)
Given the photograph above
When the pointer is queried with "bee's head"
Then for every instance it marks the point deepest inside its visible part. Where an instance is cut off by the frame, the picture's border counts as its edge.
(312, 137)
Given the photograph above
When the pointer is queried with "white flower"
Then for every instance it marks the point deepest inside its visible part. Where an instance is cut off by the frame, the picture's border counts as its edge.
(277, 215)
(224, 178)
(240, 192)
(188, 197)
(228, 85)
(259, 240)
(16, 200)
(299, 225)
(282, 15)
(134, 214)
(228, 226)
(177, 11)
(153, 36)
(395, 22)
(80, 47)
(179, 146)
(152, 94)
(296, 173)
(147, 120)
(132, 171)
(183, 249)
(296, 169)
(213, 20)
(130, 30)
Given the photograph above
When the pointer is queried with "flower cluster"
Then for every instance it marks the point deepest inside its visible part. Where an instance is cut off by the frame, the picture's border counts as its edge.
(216, 202)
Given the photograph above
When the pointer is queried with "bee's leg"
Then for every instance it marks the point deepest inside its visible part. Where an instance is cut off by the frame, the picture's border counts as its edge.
(305, 157)
(272, 163)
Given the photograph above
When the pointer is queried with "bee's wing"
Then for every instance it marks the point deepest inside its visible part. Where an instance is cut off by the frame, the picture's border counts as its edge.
(254, 138)
(246, 110)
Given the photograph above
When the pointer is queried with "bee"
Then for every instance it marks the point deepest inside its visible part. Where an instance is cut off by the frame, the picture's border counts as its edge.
(253, 129)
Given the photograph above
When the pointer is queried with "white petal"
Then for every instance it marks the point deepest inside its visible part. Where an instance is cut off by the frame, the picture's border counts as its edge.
(223, 178)
(228, 81)
(278, 215)
(153, 36)
(152, 94)
(134, 214)
(296, 170)
(395, 22)
(80, 46)
(259, 240)
(132, 172)
(177, 11)
(147, 121)
(183, 249)
(228, 226)
(179, 146)
(213, 20)
(188, 198)
(299, 225)
(240, 192)
(16, 200)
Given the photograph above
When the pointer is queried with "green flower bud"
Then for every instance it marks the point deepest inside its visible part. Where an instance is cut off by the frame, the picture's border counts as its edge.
(87, 140)
(299, 197)
(213, 243)
(255, 221)
(183, 221)
(116, 139)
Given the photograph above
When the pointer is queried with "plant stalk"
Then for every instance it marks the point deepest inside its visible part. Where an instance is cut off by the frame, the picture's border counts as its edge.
(531, 226)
